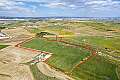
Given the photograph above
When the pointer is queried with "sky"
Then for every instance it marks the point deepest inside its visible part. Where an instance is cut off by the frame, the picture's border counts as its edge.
(48, 8)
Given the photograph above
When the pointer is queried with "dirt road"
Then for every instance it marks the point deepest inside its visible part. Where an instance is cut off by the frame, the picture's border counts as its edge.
(45, 69)
(12, 57)
(10, 67)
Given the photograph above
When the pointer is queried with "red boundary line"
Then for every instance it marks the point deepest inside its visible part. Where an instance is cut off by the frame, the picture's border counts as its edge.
(87, 47)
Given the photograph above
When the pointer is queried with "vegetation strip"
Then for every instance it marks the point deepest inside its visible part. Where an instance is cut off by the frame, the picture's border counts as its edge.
(6, 75)
(3, 46)
(39, 75)
(117, 73)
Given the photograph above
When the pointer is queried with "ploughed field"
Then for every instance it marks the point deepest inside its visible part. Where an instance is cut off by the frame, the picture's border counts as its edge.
(66, 57)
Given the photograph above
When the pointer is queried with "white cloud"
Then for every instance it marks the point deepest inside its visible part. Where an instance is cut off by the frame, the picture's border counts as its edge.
(102, 3)
(55, 5)
(62, 5)
(16, 7)
(72, 6)
(31, 6)
(95, 2)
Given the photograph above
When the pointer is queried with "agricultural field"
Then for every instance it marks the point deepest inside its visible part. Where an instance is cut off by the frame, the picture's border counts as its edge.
(78, 62)
(70, 56)
(105, 37)
(3, 46)
(39, 75)
(96, 68)
(110, 45)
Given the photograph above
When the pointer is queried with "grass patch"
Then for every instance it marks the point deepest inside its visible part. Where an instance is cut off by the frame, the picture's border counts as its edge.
(118, 71)
(102, 26)
(64, 57)
(3, 46)
(34, 30)
(39, 75)
(63, 32)
(97, 68)
(100, 42)
(112, 43)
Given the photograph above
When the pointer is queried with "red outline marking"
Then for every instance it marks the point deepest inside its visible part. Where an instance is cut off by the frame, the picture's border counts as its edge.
(87, 47)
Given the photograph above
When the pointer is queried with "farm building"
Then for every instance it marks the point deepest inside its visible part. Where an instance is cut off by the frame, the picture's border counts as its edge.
(40, 57)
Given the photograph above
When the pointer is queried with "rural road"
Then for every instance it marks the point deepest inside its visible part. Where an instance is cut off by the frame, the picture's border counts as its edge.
(10, 59)
(10, 67)
(45, 69)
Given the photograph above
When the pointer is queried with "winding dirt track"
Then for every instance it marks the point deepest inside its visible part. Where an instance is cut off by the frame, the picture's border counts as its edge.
(45, 69)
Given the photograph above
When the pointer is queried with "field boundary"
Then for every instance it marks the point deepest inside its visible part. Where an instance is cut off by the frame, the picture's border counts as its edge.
(19, 45)
(86, 46)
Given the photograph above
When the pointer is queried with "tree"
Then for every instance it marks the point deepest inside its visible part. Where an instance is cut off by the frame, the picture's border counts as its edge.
(1, 27)
(41, 34)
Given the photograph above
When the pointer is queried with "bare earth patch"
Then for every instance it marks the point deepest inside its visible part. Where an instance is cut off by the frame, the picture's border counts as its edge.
(89, 31)
(11, 69)
(16, 35)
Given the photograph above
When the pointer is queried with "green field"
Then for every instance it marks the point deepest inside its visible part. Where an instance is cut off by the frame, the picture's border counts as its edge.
(3, 46)
(101, 42)
(96, 68)
(34, 30)
(112, 43)
(64, 57)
